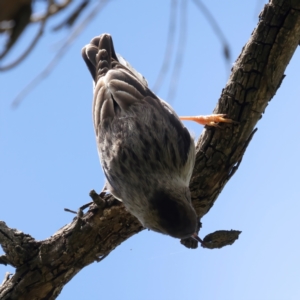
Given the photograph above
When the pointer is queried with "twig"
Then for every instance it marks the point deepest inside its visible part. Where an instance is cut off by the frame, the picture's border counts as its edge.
(53, 9)
(33, 84)
(215, 27)
(18, 23)
(180, 51)
(73, 17)
(32, 45)
(169, 48)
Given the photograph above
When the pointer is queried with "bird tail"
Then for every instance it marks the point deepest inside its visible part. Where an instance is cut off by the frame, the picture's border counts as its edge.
(98, 55)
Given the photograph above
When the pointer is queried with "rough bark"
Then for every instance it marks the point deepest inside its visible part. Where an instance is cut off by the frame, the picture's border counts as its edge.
(44, 267)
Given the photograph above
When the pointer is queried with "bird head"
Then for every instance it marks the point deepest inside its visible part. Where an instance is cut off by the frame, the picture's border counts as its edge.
(172, 213)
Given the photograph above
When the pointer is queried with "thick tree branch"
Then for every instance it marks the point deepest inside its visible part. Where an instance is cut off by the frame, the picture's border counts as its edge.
(256, 76)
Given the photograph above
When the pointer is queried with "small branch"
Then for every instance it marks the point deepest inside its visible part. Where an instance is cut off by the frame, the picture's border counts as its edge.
(53, 9)
(29, 49)
(15, 244)
(215, 26)
(18, 22)
(180, 51)
(70, 210)
(4, 260)
(97, 199)
(73, 17)
(169, 48)
(59, 55)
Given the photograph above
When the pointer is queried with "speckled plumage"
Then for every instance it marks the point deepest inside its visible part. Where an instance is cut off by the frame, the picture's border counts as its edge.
(146, 152)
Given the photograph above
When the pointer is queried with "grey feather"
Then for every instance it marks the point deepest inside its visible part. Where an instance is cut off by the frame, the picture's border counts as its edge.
(146, 153)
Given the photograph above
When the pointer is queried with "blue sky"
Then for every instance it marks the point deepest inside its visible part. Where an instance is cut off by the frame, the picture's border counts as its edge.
(48, 161)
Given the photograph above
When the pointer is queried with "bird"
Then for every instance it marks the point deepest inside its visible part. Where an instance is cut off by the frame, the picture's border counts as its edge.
(146, 152)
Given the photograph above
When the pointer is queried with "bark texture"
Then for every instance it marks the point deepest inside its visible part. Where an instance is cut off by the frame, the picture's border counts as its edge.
(44, 267)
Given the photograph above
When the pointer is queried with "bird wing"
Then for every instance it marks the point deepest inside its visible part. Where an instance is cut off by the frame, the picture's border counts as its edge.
(118, 86)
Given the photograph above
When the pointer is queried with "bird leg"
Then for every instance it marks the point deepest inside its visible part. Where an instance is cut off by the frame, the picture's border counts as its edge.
(210, 120)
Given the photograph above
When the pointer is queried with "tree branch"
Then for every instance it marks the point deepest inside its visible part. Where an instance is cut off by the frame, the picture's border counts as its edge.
(255, 78)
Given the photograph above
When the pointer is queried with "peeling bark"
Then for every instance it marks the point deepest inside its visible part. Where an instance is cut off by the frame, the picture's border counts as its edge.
(44, 267)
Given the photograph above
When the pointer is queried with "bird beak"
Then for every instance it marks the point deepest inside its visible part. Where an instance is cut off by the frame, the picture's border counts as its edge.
(196, 237)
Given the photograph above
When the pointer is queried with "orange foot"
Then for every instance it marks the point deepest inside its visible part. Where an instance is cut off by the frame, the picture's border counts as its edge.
(210, 120)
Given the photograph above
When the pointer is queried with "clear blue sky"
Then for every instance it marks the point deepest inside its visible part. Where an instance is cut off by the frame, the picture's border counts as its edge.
(48, 161)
